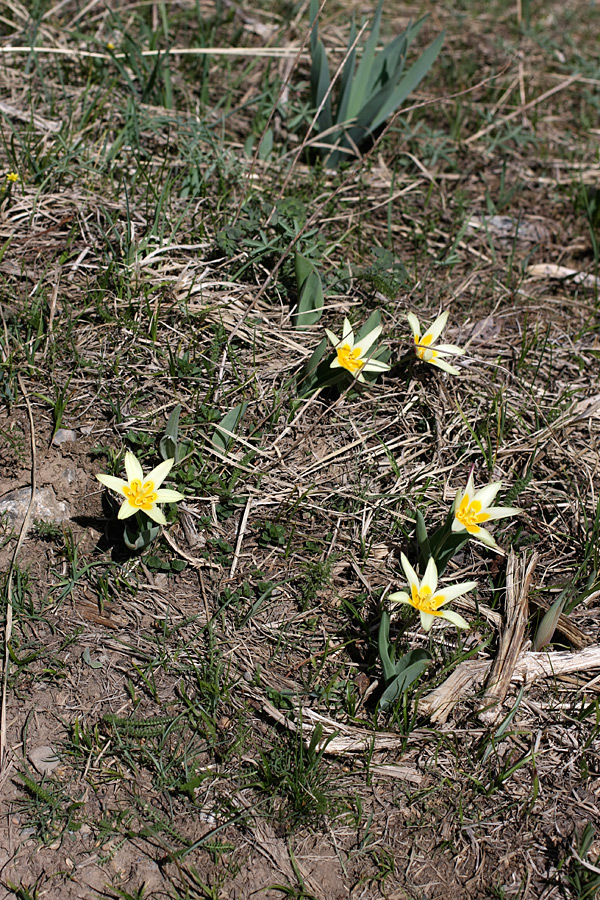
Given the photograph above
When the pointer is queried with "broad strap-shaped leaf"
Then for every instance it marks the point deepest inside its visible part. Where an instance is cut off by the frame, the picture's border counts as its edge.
(404, 680)
(383, 645)
(361, 79)
(347, 77)
(320, 80)
(409, 82)
(310, 293)
(372, 322)
(168, 442)
(222, 439)
(422, 540)
(547, 626)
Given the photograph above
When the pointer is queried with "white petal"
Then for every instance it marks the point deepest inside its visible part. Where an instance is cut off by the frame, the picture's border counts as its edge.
(414, 324)
(158, 475)
(427, 621)
(133, 468)
(455, 590)
(449, 348)
(374, 365)
(347, 333)
(126, 510)
(457, 526)
(430, 577)
(470, 488)
(399, 597)
(336, 364)
(156, 515)
(335, 341)
(411, 575)
(165, 495)
(360, 377)
(109, 481)
(444, 366)
(438, 326)
(455, 618)
(369, 339)
(486, 495)
(485, 537)
(501, 512)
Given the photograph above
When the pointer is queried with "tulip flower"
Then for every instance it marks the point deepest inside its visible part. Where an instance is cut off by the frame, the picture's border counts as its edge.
(425, 346)
(425, 597)
(354, 356)
(472, 507)
(142, 494)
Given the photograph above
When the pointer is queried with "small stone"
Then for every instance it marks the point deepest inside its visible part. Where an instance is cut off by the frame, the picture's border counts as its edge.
(63, 435)
(45, 506)
(44, 759)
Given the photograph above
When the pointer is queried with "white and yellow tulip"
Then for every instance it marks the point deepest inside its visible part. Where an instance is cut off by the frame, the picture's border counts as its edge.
(142, 493)
(354, 355)
(425, 597)
(471, 508)
(425, 346)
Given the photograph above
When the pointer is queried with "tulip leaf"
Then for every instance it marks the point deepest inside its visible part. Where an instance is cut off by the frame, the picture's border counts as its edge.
(310, 293)
(369, 93)
(547, 626)
(383, 645)
(319, 73)
(422, 540)
(168, 442)
(222, 438)
(405, 678)
(372, 322)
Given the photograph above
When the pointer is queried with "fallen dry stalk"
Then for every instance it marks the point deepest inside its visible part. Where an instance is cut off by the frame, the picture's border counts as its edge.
(469, 676)
(518, 582)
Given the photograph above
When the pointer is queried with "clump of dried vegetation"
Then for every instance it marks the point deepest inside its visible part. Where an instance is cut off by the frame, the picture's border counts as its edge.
(201, 717)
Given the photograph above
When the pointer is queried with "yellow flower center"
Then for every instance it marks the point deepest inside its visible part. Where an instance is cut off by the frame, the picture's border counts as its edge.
(424, 601)
(469, 514)
(349, 359)
(422, 348)
(142, 496)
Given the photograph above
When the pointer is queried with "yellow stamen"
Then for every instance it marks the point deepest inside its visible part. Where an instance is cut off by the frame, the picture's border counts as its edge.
(469, 514)
(142, 496)
(424, 601)
(349, 359)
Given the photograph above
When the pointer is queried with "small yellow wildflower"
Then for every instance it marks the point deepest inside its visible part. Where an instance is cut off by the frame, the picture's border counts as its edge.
(142, 494)
(110, 46)
(354, 357)
(425, 596)
(472, 507)
(425, 346)
(12, 177)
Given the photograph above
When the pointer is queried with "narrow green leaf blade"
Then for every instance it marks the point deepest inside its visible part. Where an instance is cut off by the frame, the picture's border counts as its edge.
(222, 440)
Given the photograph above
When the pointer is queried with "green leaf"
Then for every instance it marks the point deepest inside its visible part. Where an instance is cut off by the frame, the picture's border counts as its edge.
(346, 78)
(383, 644)
(222, 439)
(372, 322)
(402, 682)
(310, 293)
(319, 73)
(409, 82)
(422, 539)
(361, 79)
(547, 626)
(168, 442)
